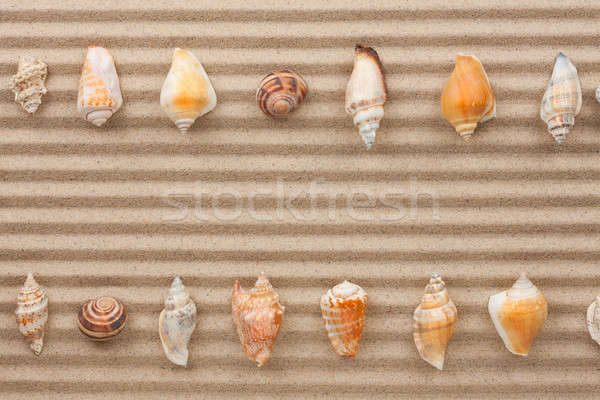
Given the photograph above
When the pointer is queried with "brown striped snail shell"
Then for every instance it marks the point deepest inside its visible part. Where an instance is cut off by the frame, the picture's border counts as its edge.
(102, 318)
(281, 92)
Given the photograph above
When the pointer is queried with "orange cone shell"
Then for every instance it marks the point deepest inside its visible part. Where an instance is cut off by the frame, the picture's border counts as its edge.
(257, 316)
(343, 309)
(434, 321)
(467, 98)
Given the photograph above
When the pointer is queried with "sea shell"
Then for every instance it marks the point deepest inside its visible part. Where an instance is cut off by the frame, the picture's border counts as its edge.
(343, 308)
(99, 91)
(177, 323)
(366, 93)
(467, 98)
(434, 321)
(257, 316)
(187, 92)
(518, 314)
(593, 320)
(102, 319)
(32, 313)
(28, 83)
(281, 92)
(562, 99)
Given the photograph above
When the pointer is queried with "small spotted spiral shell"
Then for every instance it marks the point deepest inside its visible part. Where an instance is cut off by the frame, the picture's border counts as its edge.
(102, 318)
(281, 92)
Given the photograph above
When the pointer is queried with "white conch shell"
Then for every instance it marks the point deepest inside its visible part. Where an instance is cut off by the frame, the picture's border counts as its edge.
(187, 92)
(562, 99)
(518, 315)
(32, 313)
(433, 322)
(99, 91)
(177, 323)
(366, 93)
(28, 83)
(593, 320)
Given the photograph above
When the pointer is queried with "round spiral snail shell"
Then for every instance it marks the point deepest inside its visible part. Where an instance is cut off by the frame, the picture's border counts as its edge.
(102, 318)
(281, 92)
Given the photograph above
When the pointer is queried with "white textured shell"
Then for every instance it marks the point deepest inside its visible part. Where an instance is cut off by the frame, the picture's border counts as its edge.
(593, 320)
(177, 323)
(32, 313)
(562, 99)
(28, 83)
(366, 93)
(99, 91)
(187, 92)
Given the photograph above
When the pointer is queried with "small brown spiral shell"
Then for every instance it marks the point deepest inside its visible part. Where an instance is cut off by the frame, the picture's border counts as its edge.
(281, 92)
(102, 319)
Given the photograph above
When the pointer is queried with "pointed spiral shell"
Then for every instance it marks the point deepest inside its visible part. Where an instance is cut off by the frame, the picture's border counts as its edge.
(28, 83)
(562, 99)
(32, 313)
(102, 319)
(343, 308)
(177, 323)
(467, 98)
(366, 93)
(518, 315)
(281, 92)
(99, 94)
(257, 316)
(434, 321)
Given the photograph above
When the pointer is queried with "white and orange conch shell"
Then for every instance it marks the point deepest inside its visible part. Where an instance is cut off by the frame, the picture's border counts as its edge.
(467, 98)
(562, 99)
(176, 323)
(434, 321)
(32, 313)
(593, 320)
(343, 308)
(257, 316)
(518, 315)
(366, 93)
(28, 83)
(99, 90)
(187, 93)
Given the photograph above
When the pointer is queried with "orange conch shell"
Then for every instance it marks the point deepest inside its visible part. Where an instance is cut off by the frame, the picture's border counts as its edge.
(343, 309)
(467, 98)
(187, 92)
(518, 315)
(99, 91)
(257, 316)
(434, 321)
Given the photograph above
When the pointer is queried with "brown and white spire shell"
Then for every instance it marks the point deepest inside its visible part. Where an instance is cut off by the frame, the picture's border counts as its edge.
(32, 313)
(366, 93)
(28, 83)
(176, 323)
(593, 320)
(518, 315)
(99, 90)
(102, 319)
(257, 315)
(467, 98)
(281, 92)
(343, 308)
(562, 99)
(434, 321)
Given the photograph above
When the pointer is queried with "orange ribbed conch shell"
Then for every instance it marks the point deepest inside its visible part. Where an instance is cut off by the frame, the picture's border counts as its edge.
(257, 316)
(343, 308)
(434, 321)
(518, 315)
(467, 98)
